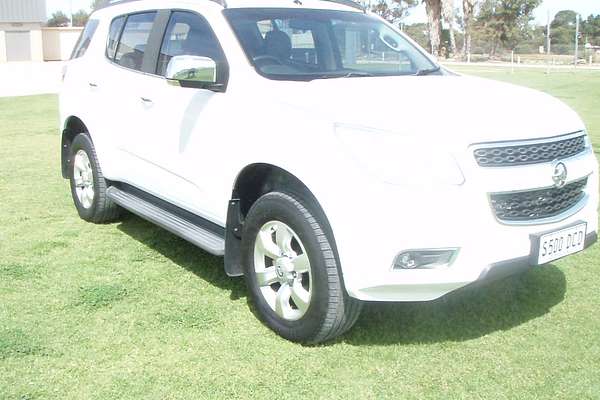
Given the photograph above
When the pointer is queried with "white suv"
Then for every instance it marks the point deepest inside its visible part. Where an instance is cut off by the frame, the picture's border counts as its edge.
(324, 154)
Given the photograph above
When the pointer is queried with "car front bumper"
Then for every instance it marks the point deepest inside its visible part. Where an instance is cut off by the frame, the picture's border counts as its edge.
(507, 268)
(435, 217)
(429, 284)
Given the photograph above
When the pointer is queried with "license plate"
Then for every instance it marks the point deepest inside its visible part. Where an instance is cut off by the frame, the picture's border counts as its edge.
(555, 245)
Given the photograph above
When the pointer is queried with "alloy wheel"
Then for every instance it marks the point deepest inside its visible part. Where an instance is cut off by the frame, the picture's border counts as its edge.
(283, 271)
(83, 175)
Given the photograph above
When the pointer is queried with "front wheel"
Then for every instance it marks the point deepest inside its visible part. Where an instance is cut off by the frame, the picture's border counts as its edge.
(292, 270)
(88, 186)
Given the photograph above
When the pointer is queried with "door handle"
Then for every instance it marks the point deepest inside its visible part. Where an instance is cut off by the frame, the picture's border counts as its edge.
(146, 101)
(93, 85)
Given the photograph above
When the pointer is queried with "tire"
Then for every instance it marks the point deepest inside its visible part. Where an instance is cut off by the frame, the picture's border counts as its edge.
(281, 299)
(89, 192)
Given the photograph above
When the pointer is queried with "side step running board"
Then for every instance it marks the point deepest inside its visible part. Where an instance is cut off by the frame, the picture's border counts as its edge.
(181, 227)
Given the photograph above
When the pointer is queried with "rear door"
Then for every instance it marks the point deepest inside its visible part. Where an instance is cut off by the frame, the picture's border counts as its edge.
(132, 59)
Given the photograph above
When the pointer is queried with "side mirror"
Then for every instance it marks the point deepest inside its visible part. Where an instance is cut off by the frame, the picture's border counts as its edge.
(193, 71)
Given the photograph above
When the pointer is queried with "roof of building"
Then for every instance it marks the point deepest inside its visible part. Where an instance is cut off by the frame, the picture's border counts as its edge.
(23, 11)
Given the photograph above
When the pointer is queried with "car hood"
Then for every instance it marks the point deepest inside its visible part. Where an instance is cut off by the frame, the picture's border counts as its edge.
(457, 110)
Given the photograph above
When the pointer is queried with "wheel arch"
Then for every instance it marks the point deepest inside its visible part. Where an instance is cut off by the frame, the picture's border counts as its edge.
(72, 127)
(251, 183)
(258, 179)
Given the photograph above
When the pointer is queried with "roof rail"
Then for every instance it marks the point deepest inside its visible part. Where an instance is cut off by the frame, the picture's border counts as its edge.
(349, 3)
(108, 3)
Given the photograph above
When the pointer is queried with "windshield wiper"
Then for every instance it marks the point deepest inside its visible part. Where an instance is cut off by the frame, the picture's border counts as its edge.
(353, 74)
(429, 71)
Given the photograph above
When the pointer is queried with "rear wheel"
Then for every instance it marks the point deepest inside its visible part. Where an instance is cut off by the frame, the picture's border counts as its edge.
(88, 186)
(292, 270)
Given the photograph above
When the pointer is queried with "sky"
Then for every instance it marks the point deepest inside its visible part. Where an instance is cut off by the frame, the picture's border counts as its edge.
(584, 7)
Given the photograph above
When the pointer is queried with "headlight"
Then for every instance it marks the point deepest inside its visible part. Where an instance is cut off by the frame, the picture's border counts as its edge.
(399, 159)
(588, 142)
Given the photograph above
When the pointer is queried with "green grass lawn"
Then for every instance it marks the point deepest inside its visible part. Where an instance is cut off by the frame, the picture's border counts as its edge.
(128, 310)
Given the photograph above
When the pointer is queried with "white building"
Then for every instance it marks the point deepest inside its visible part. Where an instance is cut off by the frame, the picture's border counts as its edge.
(21, 24)
(59, 42)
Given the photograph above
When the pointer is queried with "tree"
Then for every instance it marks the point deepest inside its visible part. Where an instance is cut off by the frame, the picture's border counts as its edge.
(59, 18)
(434, 21)
(393, 11)
(564, 18)
(96, 4)
(505, 22)
(590, 28)
(419, 33)
(562, 29)
(468, 14)
(80, 18)
(448, 15)
(536, 37)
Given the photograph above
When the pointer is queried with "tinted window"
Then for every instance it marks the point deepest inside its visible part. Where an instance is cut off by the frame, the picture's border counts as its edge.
(113, 37)
(305, 44)
(299, 43)
(188, 34)
(132, 46)
(85, 39)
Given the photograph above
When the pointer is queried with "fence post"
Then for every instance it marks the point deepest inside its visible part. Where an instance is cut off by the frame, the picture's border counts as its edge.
(576, 39)
(548, 42)
(512, 61)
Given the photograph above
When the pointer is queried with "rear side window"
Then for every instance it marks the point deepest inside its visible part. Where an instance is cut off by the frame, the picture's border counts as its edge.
(113, 37)
(188, 34)
(134, 39)
(85, 39)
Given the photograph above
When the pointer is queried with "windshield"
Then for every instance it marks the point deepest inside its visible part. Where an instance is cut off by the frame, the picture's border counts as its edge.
(301, 44)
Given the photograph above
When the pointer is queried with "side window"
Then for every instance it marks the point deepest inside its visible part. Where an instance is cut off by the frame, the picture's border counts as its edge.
(132, 46)
(372, 50)
(113, 37)
(85, 39)
(188, 34)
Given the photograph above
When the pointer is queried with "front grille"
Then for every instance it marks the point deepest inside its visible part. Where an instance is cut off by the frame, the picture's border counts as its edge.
(505, 156)
(537, 204)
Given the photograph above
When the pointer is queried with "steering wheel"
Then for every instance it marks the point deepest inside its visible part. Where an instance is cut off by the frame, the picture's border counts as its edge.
(266, 57)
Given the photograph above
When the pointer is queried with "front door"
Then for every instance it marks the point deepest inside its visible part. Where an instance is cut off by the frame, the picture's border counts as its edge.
(180, 122)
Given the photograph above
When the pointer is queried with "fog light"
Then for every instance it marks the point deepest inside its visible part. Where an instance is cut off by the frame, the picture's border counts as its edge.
(424, 259)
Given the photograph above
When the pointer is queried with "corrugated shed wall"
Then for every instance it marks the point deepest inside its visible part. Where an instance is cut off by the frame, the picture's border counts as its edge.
(23, 11)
